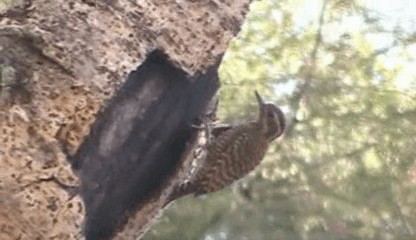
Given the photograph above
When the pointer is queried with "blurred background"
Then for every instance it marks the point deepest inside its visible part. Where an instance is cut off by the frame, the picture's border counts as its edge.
(344, 72)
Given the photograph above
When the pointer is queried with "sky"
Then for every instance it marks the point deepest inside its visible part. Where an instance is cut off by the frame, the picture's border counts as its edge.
(394, 13)
(403, 13)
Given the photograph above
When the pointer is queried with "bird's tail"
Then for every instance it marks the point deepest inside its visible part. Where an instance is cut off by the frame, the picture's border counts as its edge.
(181, 190)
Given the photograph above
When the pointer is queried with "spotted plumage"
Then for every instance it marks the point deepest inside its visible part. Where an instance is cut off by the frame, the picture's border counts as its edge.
(235, 152)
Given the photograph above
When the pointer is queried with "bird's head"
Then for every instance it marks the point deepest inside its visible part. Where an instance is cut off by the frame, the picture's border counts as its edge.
(271, 119)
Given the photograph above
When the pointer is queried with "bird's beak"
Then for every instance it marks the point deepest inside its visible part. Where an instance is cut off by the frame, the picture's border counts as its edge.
(259, 99)
(261, 107)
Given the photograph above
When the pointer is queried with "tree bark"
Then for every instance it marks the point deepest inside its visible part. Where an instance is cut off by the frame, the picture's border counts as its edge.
(102, 95)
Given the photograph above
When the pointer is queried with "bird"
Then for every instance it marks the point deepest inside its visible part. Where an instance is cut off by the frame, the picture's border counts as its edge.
(234, 152)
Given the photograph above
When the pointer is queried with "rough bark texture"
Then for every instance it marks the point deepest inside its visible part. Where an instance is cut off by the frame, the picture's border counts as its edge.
(138, 140)
(63, 61)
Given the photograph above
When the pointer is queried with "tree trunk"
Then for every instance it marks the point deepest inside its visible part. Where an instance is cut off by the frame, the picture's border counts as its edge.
(102, 96)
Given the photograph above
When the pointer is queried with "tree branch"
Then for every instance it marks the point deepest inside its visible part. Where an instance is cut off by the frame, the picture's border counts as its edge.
(310, 67)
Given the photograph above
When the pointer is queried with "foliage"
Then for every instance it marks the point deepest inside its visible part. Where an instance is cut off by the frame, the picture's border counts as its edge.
(345, 168)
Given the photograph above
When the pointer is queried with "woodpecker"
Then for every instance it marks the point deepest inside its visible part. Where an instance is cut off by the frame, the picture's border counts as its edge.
(234, 152)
